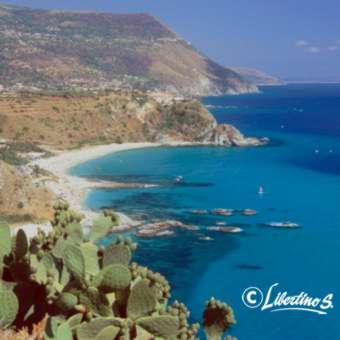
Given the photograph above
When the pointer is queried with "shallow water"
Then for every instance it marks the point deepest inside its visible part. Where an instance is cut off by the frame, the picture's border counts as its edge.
(299, 171)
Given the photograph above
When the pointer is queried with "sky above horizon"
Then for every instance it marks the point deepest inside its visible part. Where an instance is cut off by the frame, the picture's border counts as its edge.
(291, 39)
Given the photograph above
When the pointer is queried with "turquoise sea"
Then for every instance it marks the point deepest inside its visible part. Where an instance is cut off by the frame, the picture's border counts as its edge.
(300, 173)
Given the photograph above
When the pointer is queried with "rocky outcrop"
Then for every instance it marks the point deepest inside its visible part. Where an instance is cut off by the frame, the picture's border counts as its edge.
(163, 228)
(228, 135)
(190, 121)
(70, 121)
(226, 229)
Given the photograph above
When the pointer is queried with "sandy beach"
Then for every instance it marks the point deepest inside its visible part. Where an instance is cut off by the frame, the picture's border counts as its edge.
(73, 189)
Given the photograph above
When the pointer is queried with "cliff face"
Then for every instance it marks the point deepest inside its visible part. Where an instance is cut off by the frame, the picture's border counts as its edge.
(51, 49)
(116, 116)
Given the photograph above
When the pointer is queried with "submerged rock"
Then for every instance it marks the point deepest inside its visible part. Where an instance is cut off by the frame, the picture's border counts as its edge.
(248, 212)
(222, 212)
(226, 229)
(162, 228)
(154, 233)
(200, 212)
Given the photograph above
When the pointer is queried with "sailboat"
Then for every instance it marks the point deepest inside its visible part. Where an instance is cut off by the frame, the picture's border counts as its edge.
(261, 190)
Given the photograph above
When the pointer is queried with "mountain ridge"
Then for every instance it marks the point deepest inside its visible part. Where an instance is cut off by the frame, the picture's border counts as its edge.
(258, 77)
(69, 49)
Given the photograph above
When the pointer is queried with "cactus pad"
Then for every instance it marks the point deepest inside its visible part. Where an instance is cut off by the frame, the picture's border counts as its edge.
(9, 307)
(59, 248)
(41, 274)
(75, 262)
(75, 231)
(101, 226)
(66, 301)
(64, 332)
(88, 331)
(163, 326)
(117, 254)
(5, 238)
(108, 333)
(142, 300)
(75, 320)
(114, 277)
(90, 252)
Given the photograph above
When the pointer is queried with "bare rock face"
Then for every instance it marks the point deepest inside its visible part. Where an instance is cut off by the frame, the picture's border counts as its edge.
(189, 121)
(228, 135)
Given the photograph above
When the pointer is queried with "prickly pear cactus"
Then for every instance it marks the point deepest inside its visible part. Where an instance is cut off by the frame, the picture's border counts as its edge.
(114, 277)
(89, 292)
(75, 262)
(89, 331)
(5, 238)
(101, 226)
(90, 253)
(66, 301)
(117, 254)
(9, 307)
(142, 300)
(109, 332)
(218, 318)
(164, 326)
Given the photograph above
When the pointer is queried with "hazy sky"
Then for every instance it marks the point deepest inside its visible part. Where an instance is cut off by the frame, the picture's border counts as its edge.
(288, 38)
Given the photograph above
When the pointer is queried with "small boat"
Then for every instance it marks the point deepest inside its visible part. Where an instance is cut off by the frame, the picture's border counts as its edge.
(261, 190)
(221, 224)
(206, 238)
(286, 224)
(178, 179)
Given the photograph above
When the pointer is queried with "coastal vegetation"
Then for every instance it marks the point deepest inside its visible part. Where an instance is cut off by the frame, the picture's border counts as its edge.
(81, 290)
(12, 153)
(24, 198)
(63, 121)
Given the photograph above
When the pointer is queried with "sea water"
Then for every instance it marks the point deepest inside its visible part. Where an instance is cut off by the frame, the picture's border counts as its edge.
(300, 174)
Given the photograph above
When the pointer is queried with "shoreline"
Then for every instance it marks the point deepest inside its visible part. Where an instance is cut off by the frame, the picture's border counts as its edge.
(73, 189)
